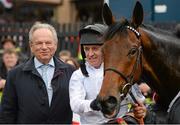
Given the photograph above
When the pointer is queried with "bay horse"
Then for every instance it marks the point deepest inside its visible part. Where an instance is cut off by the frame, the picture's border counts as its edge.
(132, 50)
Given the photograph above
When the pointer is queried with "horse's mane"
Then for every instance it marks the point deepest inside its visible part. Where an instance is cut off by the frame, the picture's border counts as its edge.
(159, 30)
(165, 40)
(161, 34)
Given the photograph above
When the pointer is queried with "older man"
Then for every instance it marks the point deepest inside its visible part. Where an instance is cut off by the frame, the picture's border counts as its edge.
(37, 91)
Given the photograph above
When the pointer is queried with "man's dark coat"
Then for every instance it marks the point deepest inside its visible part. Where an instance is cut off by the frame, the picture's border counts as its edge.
(25, 98)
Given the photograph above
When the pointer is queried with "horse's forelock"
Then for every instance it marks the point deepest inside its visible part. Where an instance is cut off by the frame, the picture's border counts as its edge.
(116, 27)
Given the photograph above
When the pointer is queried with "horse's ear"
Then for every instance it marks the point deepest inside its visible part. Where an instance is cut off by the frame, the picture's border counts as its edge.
(138, 15)
(107, 15)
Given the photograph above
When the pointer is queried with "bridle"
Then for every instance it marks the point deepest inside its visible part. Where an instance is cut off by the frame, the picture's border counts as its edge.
(129, 78)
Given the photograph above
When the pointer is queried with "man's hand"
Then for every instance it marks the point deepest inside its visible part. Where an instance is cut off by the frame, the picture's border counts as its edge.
(2, 83)
(95, 105)
(139, 110)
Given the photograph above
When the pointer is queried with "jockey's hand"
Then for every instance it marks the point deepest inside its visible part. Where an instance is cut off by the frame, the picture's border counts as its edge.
(139, 110)
(95, 105)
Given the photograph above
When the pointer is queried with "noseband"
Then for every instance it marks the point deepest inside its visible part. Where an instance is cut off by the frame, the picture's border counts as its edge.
(130, 78)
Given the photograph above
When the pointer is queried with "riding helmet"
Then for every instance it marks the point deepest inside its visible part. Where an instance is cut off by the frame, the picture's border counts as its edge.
(90, 35)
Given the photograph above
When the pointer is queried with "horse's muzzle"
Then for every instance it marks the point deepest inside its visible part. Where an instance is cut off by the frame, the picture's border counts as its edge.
(109, 107)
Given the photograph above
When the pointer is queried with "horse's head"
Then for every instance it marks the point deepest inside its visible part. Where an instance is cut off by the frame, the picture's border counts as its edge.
(122, 59)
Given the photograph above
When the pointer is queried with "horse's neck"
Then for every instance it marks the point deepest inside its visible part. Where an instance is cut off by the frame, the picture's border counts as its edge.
(161, 52)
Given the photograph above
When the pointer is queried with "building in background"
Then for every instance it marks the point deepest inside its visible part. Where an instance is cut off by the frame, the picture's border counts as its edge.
(155, 10)
(75, 11)
(61, 11)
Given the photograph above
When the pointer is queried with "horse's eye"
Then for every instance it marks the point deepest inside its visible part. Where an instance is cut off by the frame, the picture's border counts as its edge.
(132, 52)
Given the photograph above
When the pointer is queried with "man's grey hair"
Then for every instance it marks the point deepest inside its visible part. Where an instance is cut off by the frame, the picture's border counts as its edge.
(43, 25)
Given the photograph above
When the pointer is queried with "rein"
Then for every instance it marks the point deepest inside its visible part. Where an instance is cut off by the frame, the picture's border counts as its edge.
(130, 78)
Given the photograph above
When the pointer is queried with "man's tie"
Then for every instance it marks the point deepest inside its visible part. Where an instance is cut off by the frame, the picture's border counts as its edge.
(44, 69)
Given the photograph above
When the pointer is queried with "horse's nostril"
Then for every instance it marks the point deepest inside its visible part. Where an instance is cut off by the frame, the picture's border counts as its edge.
(109, 105)
(112, 100)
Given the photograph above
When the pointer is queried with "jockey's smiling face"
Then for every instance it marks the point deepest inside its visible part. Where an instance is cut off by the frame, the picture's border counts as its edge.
(93, 55)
